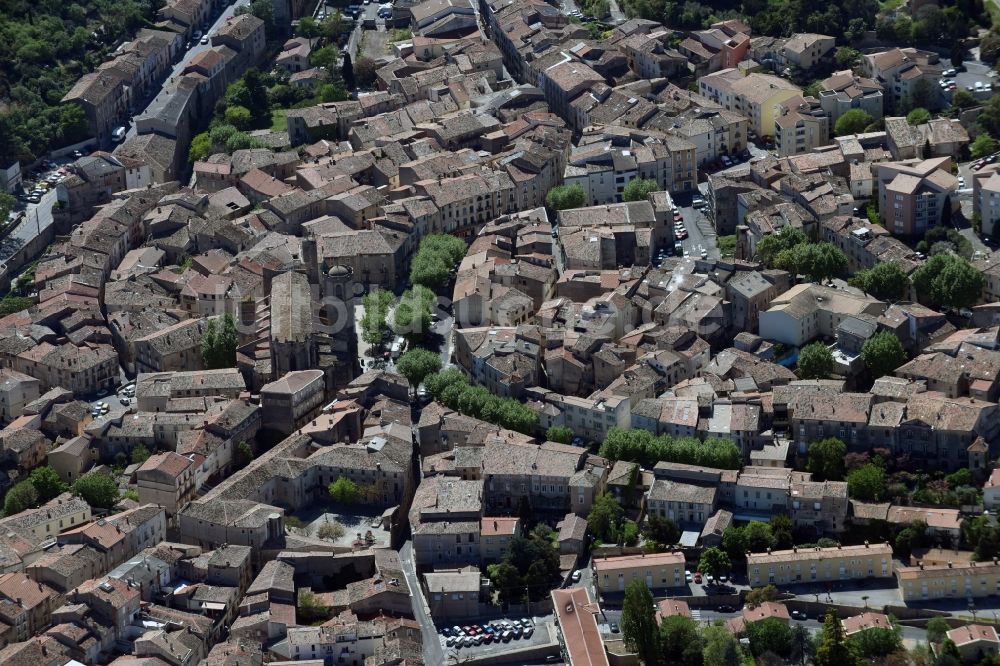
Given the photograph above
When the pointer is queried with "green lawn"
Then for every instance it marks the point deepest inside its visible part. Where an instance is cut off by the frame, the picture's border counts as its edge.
(278, 123)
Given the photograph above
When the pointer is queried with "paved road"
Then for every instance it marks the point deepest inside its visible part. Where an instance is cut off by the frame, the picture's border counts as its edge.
(196, 48)
(368, 12)
(433, 654)
(37, 218)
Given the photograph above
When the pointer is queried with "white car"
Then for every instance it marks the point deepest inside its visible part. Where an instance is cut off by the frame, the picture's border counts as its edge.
(576, 576)
(118, 134)
(204, 40)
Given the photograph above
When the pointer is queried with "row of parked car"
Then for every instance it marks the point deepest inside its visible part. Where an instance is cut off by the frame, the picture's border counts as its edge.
(490, 632)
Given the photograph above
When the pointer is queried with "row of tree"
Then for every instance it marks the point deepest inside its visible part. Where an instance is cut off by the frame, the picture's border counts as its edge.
(680, 640)
(647, 449)
(43, 484)
(451, 388)
(436, 256)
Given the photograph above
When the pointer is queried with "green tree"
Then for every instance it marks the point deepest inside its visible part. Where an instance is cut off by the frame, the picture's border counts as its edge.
(758, 536)
(876, 643)
(629, 534)
(417, 364)
(239, 117)
(846, 57)
(983, 145)
(344, 490)
(918, 116)
(853, 121)
(815, 361)
(325, 57)
(770, 635)
(21, 496)
(506, 580)
(937, 629)
(946, 279)
(210, 343)
(563, 197)
(604, 517)
(365, 72)
(98, 490)
(638, 189)
(883, 353)
(831, 647)
(436, 256)
(772, 245)
(817, 261)
(715, 562)
(244, 454)
(46, 482)
(140, 454)
(309, 608)
(866, 483)
(759, 595)
(885, 281)
(639, 622)
(826, 459)
(11, 304)
(680, 641)
(7, 203)
(376, 307)
(412, 317)
(201, 147)
(347, 72)
(561, 434)
(960, 100)
(307, 27)
(661, 530)
(721, 648)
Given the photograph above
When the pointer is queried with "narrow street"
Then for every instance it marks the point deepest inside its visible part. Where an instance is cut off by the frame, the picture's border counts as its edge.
(433, 654)
(196, 48)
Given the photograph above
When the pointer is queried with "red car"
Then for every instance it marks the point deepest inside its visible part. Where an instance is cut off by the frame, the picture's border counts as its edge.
(697, 577)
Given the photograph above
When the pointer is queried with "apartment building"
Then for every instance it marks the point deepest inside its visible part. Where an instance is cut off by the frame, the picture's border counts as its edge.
(805, 50)
(659, 571)
(801, 126)
(901, 71)
(807, 311)
(496, 535)
(986, 197)
(844, 91)
(723, 45)
(954, 580)
(755, 95)
(103, 100)
(590, 418)
(912, 194)
(820, 565)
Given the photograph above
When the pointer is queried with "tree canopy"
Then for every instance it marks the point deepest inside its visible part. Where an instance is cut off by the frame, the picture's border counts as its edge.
(918, 116)
(219, 342)
(376, 306)
(19, 497)
(883, 353)
(561, 434)
(412, 317)
(435, 257)
(714, 562)
(853, 121)
(772, 245)
(639, 629)
(98, 490)
(451, 388)
(946, 279)
(647, 449)
(885, 281)
(983, 145)
(563, 197)
(416, 364)
(344, 490)
(638, 189)
(866, 483)
(815, 361)
(604, 518)
(826, 459)
(817, 261)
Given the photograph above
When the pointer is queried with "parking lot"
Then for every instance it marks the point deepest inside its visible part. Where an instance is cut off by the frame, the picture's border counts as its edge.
(975, 78)
(487, 637)
(121, 400)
